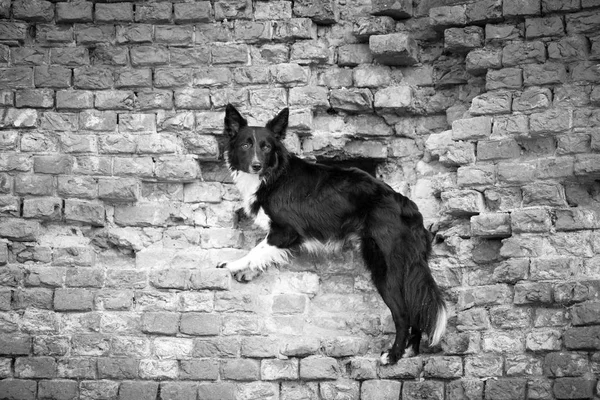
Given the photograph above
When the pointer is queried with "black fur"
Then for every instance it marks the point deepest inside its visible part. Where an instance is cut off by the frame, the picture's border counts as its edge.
(308, 201)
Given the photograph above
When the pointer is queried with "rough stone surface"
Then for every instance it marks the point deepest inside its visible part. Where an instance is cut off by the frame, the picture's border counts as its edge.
(116, 206)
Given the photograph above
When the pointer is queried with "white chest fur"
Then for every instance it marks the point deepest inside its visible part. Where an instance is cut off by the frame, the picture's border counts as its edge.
(248, 184)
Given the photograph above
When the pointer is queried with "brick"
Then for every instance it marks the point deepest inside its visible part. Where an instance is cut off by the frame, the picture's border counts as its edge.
(339, 388)
(351, 100)
(484, 365)
(514, 8)
(34, 10)
(491, 225)
(118, 189)
(69, 56)
(119, 300)
(582, 22)
(498, 149)
(232, 9)
(523, 53)
(372, 76)
(443, 367)
(240, 369)
(58, 389)
(13, 30)
(16, 77)
(35, 367)
(573, 388)
(491, 103)
(114, 12)
(463, 40)
(542, 27)
(48, 34)
(506, 78)
(15, 345)
(316, 367)
(94, 34)
(585, 314)
(42, 208)
(397, 99)
(507, 388)
(18, 389)
(274, 369)
(465, 388)
(397, 49)
(351, 55)
(484, 11)
(380, 389)
(531, 221)
(177, 348)
(471, 128)
(544, 74)
(153, 13)
(464, 202)
(582, 338)
(38, 185)
(158, 369)
(532, 99)
(54, 164)
(586, 165)
(532, 292)
(549, 6)
(565, 364)
(77, 186)
(276, 99)
(190, 13)
(138, 390)
(397, 10)
(38, 142)
(163, 323)
(80, 11)
(92, 78)
(73, 300)
(136, 33)
(445, 16)
(185, 391)
(74, 99)
(148, 56)
(476, 176)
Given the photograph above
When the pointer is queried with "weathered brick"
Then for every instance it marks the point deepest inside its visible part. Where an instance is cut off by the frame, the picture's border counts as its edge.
(394, 49)
(573, 388)
(163, 323)
(73, 300)
(484, 365)
(582, 22)
(69, 56)
(42, 208)
(114, 12)
(38, 185)
(34, 10)
(463, 40)
(20, 389)
(58, 388)
(240, 369)
(188, 391)
(205, 369)
(315, 367)
(397, 9)
(138, 33)
(544, 74)
(118, 189)
(491, 103)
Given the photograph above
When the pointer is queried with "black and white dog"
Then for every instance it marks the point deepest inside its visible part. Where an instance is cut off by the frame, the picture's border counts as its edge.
(311, 206)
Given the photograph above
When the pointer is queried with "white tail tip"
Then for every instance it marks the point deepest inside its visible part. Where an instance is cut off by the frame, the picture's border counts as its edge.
(440, 325)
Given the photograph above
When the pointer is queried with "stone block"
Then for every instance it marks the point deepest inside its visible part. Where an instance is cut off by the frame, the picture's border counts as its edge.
(443, 367)
(491, 103)
(322, 12)
(476, 176)
(573, 388)
(211, 391)
(519, 8)
(565, 364)
(205, 369)
(485, 11)
(530, 221)
(443, 17)
(16, 31)
(20, 389)
(232, 9)
(274, 369)
(200, 324)
(483, 365)
(351, 55)
(318, 368)
(463, 40)
(506, 78)
(398, 49)
(372, 76)
(59, 389)
(395, 9)
(42, 208)
(351, 100)
(380, 389)
(240, 369)
(518, 53)
(549, 6)
(463, 202)
(289, 74)
(471, 128)
(505, 389)
(532, 99)
(491, 225)
(190, 13)
(465, 388)
(582, 22)
(498, 149)
(73, 300)
(156, 12)
(394, 98)
(116, 12)
(34, 10)
(550, 73)
(478, 61)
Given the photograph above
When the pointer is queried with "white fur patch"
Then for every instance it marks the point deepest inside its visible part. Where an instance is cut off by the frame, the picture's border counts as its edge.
(331, 246)
(247, 184)
(385, 358)
(262, 220)
(260, 257)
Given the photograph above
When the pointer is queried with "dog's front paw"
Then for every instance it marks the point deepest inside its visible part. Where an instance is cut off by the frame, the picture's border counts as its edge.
(246, 275)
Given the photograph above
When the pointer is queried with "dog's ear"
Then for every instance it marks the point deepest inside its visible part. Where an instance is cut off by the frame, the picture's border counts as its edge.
(233, 121)
(278, 125)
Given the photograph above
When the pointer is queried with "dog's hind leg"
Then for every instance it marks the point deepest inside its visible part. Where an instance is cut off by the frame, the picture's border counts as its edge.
(390, 291)
(414, 341)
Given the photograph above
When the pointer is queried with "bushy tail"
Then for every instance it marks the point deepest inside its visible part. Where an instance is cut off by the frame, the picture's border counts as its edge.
(440, 324)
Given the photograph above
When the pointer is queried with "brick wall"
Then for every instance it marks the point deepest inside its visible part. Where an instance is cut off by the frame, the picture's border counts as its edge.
(115, 207)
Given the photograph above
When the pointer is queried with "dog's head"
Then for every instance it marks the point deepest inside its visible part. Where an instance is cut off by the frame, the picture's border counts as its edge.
(254, 149)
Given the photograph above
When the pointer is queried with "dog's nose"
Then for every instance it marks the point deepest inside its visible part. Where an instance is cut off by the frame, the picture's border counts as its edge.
(256, 167)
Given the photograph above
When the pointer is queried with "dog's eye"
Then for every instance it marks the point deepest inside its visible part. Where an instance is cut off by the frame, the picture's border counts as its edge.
(246, 146)
(267, 147)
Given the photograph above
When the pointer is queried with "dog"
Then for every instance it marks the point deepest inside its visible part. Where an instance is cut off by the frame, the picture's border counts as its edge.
(310, 206)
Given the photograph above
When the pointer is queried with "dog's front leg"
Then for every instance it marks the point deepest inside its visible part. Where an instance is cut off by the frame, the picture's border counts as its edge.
(252, 264)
